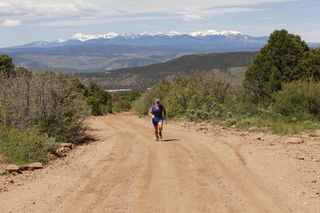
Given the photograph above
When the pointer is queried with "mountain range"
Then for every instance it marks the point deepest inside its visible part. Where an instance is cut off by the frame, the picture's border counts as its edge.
(173, 38)
(111, 51)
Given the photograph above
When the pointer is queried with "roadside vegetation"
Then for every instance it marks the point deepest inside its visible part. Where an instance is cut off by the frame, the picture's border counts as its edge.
(280, 93)
(38, 111)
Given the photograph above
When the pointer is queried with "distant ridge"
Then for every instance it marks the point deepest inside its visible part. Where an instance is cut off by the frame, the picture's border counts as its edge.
(233, 65)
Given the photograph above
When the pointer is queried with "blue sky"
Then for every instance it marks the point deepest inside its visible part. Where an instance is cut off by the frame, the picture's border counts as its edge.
(26, 21)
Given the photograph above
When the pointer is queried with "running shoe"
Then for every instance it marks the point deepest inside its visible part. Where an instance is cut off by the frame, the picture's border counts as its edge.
(160, 135)
(157, 138)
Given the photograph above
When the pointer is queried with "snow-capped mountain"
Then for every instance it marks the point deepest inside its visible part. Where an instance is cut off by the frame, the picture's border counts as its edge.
(131, 36)
(82, 37)
(111, 35)
(173, 38)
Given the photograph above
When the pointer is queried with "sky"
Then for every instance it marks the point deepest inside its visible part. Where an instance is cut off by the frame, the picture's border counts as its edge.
(26, 21)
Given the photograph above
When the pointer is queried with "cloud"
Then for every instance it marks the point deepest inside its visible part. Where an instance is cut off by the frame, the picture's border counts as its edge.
(58, 8)
(91, 12)
(192, 17)
(90, 21)
(198, 14)
(12, 23)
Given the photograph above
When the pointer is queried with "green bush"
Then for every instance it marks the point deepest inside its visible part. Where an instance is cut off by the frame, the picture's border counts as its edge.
(24, 146)
(98, 99)
(121, 106)
(142, 104)
(230, 122)
(200, 96)
(298, 101)
(123, 101)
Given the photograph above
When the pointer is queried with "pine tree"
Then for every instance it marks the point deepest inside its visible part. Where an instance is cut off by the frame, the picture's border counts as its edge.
(276, 63)
(6, 65)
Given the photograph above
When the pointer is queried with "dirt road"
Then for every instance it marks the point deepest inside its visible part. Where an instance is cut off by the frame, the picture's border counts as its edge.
(192, 169)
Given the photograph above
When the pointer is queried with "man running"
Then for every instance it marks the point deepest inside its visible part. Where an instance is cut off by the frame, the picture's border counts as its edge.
(158, 114)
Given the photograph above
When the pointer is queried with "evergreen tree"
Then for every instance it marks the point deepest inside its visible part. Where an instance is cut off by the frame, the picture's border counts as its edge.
(310, 67)
(276, 63)
(6, 65)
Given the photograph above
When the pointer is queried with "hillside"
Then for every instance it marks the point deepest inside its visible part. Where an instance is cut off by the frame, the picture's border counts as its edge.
(233, 64)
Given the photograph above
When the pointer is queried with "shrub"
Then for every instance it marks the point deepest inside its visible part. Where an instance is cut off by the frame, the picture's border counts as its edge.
(53, 102)
(24, 146)
(230, 122)
(298, 101)
(121, 106)
(200, 96)
(98, 99)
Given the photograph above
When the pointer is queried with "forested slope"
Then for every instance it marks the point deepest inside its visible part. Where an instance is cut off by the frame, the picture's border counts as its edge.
(144, 77)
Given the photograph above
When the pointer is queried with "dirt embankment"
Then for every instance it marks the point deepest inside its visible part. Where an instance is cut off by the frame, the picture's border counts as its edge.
(194, 168)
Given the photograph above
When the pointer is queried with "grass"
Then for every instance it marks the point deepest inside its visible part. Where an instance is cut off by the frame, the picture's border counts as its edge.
(278, 126)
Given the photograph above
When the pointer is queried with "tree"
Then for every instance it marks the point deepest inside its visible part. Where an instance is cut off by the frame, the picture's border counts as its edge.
(99, 99)
(276, 63)
(6, 65)
(310, 67)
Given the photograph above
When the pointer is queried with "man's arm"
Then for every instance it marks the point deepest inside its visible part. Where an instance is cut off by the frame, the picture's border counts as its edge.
(164, 113)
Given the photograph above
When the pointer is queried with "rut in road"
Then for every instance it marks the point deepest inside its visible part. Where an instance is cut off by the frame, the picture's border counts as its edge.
(126, 170)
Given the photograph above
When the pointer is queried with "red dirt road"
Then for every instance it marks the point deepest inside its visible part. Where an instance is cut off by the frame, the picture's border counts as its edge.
(188, 171)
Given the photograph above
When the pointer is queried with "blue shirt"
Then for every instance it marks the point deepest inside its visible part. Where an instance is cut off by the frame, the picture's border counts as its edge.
(157, 112)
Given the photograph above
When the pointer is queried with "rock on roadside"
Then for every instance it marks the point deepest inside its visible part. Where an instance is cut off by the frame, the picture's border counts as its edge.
(31, 167)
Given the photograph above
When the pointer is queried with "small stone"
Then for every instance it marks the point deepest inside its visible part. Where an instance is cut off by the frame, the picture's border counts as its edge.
(15, 173)
(314, 181)
(294, 141)
(69, 145)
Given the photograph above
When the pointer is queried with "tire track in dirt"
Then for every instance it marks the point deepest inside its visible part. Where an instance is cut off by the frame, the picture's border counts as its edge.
(112, 187)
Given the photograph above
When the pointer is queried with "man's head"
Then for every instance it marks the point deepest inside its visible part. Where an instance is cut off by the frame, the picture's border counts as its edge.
(157, 101)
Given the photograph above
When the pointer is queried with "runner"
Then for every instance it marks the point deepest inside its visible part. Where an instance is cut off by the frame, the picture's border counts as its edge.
(158, 114)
